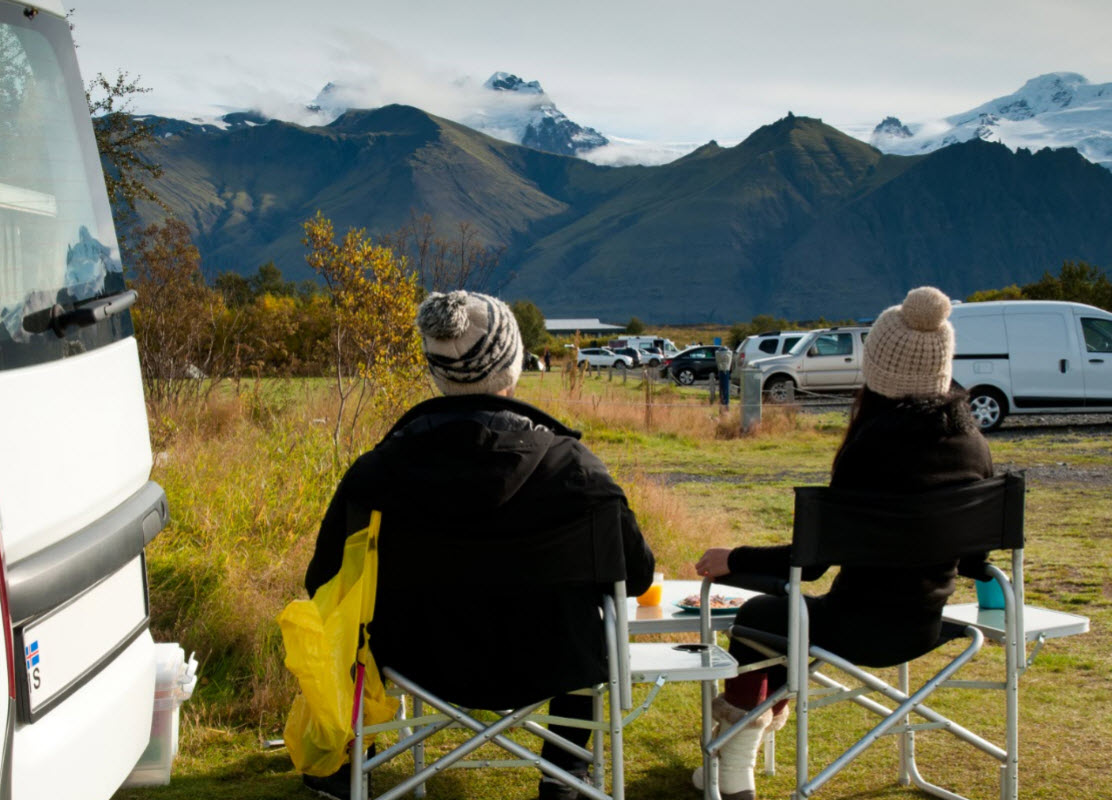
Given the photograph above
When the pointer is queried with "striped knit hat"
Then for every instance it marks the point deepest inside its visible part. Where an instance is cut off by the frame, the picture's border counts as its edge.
(471, 341)
(909, 349)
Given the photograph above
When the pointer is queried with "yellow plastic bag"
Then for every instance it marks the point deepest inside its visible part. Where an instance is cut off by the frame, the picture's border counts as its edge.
(321, 637)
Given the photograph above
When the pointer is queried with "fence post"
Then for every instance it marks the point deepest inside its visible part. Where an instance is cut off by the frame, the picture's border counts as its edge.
(750, 399)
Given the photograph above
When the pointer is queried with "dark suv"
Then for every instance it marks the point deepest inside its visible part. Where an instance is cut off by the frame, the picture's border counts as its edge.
(632, 352)
(693, 364)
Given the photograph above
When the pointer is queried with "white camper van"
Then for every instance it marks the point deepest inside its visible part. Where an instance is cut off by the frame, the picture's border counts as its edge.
(76, 505)
(1032, 357)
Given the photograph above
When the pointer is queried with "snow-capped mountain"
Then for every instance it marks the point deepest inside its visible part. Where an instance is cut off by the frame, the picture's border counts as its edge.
(1061, 109)
(507, 107)
(536, 123)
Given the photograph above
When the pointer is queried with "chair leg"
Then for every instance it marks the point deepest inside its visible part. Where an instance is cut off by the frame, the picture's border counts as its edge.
(419, 749)
(357, 789)
(907, 738)
(598, 766)
(617, 749)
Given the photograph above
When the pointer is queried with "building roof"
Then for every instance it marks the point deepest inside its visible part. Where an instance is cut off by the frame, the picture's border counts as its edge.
(582, 325)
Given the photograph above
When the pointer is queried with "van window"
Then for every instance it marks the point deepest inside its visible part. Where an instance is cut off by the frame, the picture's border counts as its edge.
(1098, 334)
(979, 334)
(767, 346)
(57, 243)
(789, 343)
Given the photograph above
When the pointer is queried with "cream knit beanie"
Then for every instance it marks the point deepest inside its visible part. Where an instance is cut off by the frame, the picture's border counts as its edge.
(909, 350)
(471, 341)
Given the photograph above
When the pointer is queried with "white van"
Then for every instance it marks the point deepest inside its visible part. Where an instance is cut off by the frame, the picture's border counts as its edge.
(1032, 357)
(666, 347)
(77, 507)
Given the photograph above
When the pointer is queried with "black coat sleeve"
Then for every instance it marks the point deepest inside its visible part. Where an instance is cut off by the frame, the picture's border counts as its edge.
(598, 486)
(774, 561)
(639, 559)
(342, 518)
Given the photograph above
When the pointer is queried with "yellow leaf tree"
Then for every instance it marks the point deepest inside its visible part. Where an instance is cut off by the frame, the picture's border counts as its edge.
(375, 349)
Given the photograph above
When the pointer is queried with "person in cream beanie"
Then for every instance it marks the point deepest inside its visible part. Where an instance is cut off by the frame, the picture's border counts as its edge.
(909, 350)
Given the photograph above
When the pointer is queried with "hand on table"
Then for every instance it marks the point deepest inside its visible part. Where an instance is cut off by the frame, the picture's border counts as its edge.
(714, 563)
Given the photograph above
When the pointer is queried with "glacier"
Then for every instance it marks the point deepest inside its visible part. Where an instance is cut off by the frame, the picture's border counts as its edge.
(1059, 109)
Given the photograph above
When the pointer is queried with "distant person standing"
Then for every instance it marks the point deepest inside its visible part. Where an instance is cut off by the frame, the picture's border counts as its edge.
(547, 359)
(723, 362)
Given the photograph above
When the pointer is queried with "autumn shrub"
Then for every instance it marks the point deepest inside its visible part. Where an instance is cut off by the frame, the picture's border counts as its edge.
(374, 349)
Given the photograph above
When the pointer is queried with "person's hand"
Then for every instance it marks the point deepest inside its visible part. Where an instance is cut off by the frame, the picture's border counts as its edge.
(714, 563)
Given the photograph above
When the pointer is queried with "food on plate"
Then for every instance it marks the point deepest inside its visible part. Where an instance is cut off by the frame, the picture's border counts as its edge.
(716, 601)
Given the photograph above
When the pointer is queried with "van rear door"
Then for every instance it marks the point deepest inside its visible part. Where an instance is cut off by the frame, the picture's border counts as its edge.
(1044, 354)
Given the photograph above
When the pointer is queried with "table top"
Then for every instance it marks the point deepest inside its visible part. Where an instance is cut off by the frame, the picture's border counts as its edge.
(1037, 621)
(669, 618)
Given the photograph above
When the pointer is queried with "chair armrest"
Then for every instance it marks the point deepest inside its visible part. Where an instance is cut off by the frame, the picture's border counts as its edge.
(770, 640)
(765, 584)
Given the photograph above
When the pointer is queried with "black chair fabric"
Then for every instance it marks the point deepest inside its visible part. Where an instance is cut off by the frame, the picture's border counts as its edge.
(882, 529)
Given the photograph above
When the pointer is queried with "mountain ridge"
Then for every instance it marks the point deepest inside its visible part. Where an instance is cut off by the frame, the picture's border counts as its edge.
(770, 225)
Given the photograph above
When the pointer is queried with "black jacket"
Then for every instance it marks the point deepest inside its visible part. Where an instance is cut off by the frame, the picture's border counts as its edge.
(917, 445)
(500, 531)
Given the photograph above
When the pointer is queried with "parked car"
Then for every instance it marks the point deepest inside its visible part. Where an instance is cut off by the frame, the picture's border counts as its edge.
(763, 345)
(1032, 357)
(602, 357)
(693, 364)
(531, 362)
(826, 360)
(662, 348)
(652, 356)
(634, 353)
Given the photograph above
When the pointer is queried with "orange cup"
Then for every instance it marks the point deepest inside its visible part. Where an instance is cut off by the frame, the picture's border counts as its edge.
(655, 593)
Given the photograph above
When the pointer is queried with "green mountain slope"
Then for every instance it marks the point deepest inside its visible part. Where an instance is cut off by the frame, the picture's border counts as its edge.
(799, 220)
(247, 191)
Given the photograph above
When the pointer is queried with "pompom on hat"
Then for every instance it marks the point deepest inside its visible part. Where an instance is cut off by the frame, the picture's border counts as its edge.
(909, 350)
(471, 342)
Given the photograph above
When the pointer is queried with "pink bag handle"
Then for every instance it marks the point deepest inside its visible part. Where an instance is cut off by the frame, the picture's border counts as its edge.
(359, 669)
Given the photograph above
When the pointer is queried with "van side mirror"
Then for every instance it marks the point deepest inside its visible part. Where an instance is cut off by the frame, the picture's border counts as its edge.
(812, 351)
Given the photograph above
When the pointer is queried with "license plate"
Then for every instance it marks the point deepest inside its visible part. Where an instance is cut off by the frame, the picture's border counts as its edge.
(69, 645)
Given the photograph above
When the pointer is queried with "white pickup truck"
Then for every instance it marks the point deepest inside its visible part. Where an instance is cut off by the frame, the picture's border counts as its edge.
(825, 360)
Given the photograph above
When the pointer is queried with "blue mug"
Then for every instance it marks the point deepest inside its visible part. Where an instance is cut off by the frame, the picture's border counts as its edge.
(989, 594)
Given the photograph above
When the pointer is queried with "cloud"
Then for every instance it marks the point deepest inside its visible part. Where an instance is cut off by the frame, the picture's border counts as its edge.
(626, 152)
(369, 73)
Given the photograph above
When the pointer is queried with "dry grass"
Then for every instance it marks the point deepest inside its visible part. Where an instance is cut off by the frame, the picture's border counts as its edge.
(248, 477)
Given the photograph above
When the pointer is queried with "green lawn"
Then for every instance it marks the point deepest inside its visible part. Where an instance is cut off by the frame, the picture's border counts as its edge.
(692, 486)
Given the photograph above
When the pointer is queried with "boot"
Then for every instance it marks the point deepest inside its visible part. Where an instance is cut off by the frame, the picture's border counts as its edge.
(552, 789)
(739, 755)
(780, 713)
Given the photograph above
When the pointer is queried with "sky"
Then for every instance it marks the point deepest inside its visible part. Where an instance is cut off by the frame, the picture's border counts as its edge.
(649, 71)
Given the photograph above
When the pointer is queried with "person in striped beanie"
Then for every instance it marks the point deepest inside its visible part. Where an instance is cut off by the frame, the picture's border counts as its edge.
(472, 343)
(487, 500)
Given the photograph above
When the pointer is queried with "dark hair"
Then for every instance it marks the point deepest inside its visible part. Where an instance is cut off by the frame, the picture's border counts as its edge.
(945, 414)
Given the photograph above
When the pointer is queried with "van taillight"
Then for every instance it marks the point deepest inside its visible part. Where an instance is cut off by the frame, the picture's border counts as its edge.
(6, 621)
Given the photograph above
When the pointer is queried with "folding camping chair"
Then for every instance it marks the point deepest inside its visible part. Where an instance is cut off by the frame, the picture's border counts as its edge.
(649, 663)
(859, 528)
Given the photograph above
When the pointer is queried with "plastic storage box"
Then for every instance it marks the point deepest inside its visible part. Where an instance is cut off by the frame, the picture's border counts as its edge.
(173, 685)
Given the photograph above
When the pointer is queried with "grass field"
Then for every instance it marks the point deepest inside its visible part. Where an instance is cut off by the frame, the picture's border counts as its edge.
(248, 480)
